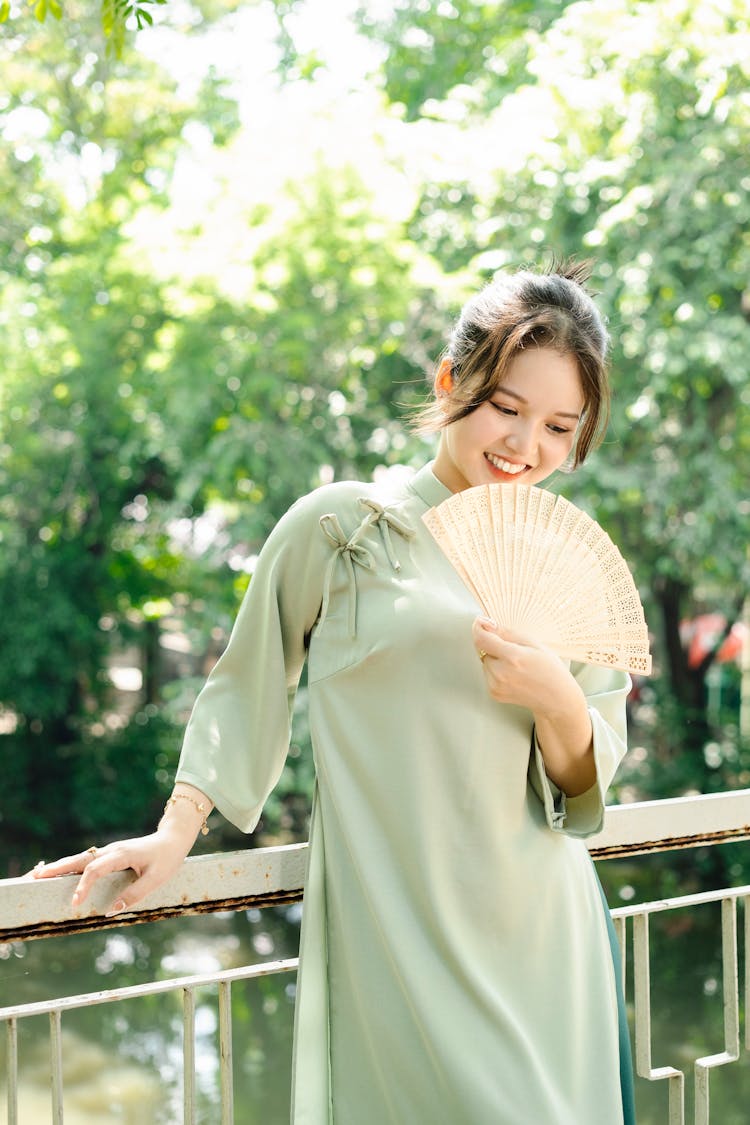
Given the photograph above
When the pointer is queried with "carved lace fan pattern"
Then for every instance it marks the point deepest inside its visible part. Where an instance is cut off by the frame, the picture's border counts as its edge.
(539, 565)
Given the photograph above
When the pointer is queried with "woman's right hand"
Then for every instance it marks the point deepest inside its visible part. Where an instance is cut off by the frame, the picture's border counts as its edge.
(154, 859)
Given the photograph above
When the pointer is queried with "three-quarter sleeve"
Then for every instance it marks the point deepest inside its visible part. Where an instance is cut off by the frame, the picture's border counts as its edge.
(606, 691)
(237, 738)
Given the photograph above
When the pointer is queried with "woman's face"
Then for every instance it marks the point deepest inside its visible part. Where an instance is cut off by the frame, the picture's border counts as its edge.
(523, 432)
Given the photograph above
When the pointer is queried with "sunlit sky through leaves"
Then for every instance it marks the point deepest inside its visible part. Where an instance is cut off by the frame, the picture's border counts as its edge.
(290, 129)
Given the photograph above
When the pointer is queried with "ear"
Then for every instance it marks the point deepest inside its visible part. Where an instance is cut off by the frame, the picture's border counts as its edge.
(444, 378)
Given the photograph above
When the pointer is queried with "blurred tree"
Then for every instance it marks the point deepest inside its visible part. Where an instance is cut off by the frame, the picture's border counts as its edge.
(116, 16)
(636, 151)
(119, 20)
(151, 433)
(81, 441)
(328, 352)
(443, 51)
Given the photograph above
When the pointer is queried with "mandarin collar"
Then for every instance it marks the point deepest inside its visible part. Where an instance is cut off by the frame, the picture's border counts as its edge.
(427, 486)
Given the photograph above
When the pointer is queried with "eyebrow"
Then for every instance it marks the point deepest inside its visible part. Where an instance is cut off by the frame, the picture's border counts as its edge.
(519, 398)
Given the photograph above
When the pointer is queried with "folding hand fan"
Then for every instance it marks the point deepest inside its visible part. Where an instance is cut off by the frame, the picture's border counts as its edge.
(541, 566)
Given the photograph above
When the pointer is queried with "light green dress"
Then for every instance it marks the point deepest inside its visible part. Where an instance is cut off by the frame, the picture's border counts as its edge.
(455, 964)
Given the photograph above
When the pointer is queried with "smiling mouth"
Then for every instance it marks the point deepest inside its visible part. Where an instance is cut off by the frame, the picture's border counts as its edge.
(505, 466)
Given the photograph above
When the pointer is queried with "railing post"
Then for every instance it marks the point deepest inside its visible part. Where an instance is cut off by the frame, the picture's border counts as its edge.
(730, 993)
(642, 974)
(188, 1055)
(55, 1043)
(12, 1072)
(621, 930)
(225, 1052)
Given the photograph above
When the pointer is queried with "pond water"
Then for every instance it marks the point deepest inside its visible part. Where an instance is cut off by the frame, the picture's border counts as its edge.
(123, 1062)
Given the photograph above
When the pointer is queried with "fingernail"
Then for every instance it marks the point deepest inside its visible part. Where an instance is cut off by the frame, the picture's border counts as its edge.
(115, 908)
(488, 622)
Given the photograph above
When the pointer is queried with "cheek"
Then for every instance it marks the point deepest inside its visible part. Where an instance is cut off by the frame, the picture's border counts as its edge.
(487, 425)
(472, 433)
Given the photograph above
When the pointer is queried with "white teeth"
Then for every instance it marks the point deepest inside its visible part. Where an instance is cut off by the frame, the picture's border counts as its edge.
(504, 466)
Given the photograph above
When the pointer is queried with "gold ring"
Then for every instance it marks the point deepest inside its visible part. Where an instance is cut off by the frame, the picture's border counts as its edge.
(93, 851)
(482, 655)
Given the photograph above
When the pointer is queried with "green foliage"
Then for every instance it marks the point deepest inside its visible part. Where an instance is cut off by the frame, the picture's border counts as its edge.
(313, 368)
(640, 159)
(293, 64)
(137, 416)
(124, 776)
(114, 17)
(152, 430)
(106, 784)
(477, 53)
(87, 476)
(40, 9)
(79, 460)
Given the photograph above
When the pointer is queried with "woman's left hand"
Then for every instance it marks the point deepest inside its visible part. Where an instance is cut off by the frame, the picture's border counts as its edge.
(521, 671)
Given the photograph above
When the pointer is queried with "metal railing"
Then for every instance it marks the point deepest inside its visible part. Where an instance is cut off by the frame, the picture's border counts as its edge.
(251, 879)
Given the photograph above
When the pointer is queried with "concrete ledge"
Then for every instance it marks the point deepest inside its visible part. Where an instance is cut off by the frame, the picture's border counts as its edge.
(680, 822)
(33, 908)
(222, 881)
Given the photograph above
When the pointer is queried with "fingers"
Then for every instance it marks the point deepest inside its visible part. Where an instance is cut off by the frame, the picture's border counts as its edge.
(85, 884)
(90, 864)
(146, 857)
(510, 636)
(99, 862)
(153, 864)
(487, 642)
(133, 895)
(69, 865)
(491, 640)
(152, 859)
(505, 661)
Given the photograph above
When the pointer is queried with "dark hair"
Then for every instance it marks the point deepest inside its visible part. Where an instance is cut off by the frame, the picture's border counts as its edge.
(550, 309)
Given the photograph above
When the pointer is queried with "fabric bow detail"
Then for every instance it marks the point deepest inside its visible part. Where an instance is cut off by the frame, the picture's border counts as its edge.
(352, 551)
(387, 521)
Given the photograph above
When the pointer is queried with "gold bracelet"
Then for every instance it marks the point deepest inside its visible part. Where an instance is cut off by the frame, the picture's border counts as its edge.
(201, 808)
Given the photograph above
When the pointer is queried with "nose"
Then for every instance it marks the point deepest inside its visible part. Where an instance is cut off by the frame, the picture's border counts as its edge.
(523, 440)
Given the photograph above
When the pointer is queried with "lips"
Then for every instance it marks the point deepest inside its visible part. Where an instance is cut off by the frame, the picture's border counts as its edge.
(509, 468)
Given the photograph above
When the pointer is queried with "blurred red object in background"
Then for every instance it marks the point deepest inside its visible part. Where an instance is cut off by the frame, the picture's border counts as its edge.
(701, 635)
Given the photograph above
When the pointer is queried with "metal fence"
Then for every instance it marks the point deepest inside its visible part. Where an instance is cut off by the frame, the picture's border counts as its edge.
(251, 879)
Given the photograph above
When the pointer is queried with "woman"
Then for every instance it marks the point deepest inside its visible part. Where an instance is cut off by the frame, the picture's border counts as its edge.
(456, 966)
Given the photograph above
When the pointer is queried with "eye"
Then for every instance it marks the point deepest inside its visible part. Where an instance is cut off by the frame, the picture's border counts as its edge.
(501, 409)
(558, 429)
